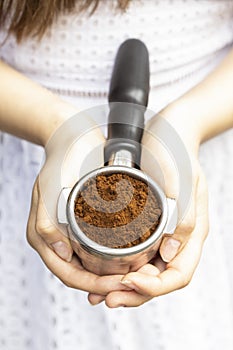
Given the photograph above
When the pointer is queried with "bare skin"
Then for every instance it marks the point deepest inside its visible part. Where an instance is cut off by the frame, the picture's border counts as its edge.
(33, 113)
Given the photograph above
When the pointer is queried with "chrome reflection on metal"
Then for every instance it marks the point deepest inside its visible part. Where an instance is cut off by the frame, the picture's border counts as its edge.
(122, 157)
(104, 260)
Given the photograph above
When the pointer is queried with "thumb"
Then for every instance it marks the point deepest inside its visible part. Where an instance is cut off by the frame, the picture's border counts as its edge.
(50, 232)
(169, 248)
(176, 182)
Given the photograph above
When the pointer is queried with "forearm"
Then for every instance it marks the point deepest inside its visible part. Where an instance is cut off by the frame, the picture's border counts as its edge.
(207, 109)
(28, 110)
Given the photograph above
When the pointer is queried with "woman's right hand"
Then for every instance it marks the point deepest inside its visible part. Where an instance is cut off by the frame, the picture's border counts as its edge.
(44, 234)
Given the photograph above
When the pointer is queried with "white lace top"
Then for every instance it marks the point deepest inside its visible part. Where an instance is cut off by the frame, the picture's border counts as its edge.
(186, 40)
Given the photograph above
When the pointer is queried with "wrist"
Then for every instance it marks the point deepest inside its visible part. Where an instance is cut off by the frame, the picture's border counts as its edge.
(185, 124)
(66, 127)
(55, 114)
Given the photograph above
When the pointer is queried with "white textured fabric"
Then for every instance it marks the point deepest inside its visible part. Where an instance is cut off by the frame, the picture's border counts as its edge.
(186, 40)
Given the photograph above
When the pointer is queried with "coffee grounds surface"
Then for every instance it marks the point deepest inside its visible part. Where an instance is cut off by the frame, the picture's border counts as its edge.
(117, 210)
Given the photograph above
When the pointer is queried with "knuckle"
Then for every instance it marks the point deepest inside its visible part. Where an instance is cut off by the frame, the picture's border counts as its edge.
(186, 226)
(184, 278)
(110, 304)
(68, 279)
(185, 281)
(29, 236)
(68, 283)
(206, 233)
(29, 239)
(44, 229)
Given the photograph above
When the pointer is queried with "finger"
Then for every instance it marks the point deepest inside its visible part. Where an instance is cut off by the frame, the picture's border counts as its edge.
(158, 162)
(158, 262)
(149, 282)
(54, 238)
(147, 287)
(32, 215)
(134, 298)
(149, 269)
(172, 244)
(95, 299)
(177, 275)
(75, 276)
(71, 274)
(125, 299)
(180, 270)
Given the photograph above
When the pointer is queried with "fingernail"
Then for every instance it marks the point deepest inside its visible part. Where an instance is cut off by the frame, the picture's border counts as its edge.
(62, 250)
(128, 284)
(169, 249)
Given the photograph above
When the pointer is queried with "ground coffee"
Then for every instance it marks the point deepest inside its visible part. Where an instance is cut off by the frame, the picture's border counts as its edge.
(117, 210)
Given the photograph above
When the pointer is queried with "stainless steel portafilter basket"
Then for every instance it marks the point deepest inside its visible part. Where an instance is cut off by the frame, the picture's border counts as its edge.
(128, 97)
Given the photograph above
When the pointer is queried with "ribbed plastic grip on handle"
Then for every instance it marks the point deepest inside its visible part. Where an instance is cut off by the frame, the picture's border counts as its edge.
(128, 97)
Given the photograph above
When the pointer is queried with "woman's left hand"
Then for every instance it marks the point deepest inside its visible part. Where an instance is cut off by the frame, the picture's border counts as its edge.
(179, 253)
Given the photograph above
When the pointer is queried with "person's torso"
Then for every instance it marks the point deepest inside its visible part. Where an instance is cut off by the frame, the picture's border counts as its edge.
(185, 39)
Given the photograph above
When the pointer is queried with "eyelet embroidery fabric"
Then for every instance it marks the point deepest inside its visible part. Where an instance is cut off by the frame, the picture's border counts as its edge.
(77, 53)
(186, 40)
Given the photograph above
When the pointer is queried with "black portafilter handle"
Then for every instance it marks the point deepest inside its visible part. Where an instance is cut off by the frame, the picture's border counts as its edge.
(128, 98)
